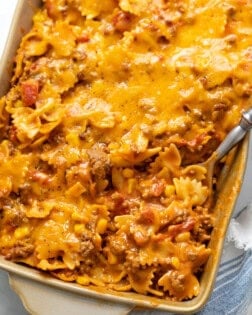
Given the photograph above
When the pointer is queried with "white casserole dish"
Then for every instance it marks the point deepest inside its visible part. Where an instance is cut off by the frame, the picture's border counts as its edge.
(42, 294)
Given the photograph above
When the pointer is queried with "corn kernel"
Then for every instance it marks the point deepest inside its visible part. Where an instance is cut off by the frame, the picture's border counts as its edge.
(76, 216)
(83, 280)
(183, 237)
(76, 190)
(112, 259)
(79, 217)
(97, 240)
(169, 190)
(131, 185)
(21, 232)
(128, 173)
(79, 228)
(73, 139)
(102, 226)
(175, 262)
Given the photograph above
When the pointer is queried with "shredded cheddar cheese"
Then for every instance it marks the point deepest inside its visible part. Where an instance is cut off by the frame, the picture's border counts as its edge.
(112, 106)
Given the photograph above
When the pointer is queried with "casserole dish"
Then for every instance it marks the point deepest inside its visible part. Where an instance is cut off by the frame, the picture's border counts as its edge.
(123, 301)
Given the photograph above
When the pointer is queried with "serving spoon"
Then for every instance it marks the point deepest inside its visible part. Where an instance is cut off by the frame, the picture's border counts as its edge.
(235, 135)
(232, 138)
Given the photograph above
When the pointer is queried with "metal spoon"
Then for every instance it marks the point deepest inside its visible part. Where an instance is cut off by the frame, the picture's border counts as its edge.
(235, 135)
(232, 138)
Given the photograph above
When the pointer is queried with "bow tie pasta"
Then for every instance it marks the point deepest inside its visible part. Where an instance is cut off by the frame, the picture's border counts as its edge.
(112, 107)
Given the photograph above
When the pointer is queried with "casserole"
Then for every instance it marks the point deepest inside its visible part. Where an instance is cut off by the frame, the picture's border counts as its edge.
(238, 167)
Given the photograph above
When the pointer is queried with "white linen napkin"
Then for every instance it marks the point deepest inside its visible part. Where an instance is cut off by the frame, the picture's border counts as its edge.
(240, 229)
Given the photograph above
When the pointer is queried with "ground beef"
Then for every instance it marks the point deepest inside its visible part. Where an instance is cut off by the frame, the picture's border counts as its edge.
(205, 226)
(22, 249)
(177, 281)
(99, 161)
(86, 247)
(12, 215)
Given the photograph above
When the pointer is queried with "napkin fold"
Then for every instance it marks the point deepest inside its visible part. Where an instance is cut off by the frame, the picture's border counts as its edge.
(240, 229)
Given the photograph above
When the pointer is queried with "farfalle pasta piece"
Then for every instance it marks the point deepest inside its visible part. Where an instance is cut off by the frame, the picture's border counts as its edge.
(39, 209)
(134, 142)
(65, 275)
(86, 280)
(27, 123)
(53, 241)
(99, 113)
(191, 190)
(47, 112)
(197, 172)
(134, 6)
(122, 159)
(122, 286)
(141, 280)
(62, 38)
(34, 45)
(13, 172)
(96, 112)
(58, 76)
(112, 107)
(4, 150)
(179, 284)
(172, 211)
(91, 9)
(44, 264)
(133, 148)
(191, 255)
(156, 252)
(63, 155)
(113, 274)
(169, 159)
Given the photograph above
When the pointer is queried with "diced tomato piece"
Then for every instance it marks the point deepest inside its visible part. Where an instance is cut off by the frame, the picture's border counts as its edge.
(51, 8)
(122, 21)
(40, 177)
(198, 140)
(120, 206)
(29, 92)
(176, 229)
(83, 38)
(13, 134)
(147, 216)
(186, 226)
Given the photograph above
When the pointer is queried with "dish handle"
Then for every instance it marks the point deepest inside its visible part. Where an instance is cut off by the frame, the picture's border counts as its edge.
(40, 299)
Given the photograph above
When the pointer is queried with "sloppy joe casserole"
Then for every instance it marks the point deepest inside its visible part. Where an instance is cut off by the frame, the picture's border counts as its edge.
(112, 106)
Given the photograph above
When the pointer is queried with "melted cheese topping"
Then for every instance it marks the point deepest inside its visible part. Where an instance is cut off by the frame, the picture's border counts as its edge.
(112, 104)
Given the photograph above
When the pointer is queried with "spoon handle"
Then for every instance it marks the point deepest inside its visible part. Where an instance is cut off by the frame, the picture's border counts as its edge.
(235, 135)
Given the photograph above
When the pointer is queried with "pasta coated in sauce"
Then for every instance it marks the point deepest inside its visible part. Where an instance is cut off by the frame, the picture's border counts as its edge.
(112, 104)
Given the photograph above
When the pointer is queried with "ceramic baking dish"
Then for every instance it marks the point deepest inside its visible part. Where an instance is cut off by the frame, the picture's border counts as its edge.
(32, 284)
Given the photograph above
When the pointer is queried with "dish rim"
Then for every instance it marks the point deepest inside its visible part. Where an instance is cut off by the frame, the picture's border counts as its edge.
(19, 22)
